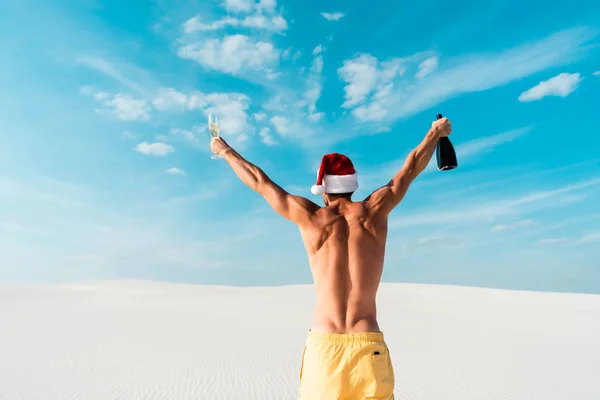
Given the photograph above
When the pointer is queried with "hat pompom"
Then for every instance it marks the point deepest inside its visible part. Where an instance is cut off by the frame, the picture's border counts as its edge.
(317, 189)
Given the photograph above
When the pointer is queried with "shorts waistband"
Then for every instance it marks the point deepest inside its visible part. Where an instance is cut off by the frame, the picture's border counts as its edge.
(366, 337)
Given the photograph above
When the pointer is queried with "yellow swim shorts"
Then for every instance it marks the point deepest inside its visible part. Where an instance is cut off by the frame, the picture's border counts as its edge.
(346, 367)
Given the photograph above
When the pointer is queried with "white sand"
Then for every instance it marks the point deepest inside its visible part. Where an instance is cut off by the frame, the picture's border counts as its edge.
(142, 340)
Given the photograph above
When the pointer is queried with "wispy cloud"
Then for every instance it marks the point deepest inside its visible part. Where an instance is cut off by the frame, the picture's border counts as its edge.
(294, 112)
(129, 135)
(377, 93)
(508, 227)
(432, 239)
(274, 23)
(553, 240)
(334, 16)
(176, 171)
(130, 76)
(487, 209)
(313, 92)
(465, 152)
(154, 149)
(561, 85)
(427, 67)
(482, 145)
(590, 237)
(267, 138)
(597, 73)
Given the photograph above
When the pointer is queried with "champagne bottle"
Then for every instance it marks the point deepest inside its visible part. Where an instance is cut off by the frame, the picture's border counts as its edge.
(446, 156)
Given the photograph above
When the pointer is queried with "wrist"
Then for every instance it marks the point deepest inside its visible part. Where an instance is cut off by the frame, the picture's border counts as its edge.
(228, 151)
(435, 133)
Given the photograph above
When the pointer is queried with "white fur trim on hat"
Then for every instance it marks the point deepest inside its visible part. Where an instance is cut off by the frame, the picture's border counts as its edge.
(317, 189)
(340, 183)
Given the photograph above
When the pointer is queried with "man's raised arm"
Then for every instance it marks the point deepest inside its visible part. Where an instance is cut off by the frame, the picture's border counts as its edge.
(389, 196)
(294, 208)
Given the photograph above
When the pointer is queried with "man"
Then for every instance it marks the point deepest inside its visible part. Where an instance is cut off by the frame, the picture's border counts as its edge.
(345, 356)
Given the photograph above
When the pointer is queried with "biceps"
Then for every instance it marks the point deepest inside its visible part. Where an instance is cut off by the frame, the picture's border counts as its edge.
(277, 199)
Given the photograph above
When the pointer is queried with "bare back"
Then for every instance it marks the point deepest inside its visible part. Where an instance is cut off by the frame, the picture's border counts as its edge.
(346, 248)
(345, 241)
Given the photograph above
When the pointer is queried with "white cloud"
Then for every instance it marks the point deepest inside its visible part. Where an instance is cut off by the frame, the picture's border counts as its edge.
(318, 50)
(364, 74)
(427, 67)
(267, 5)
(376, 93)
(154, 149)
(186, 133)
(175, 171)
(259, 116)
(169, 98)
(236, 53)
(282, 125)
(313, 93)
(335, 16)
(239, 5)
(597, 73)
(276, 104)
(230, 107)
(231, 54)
(561, 85)
(272, 74)
(266, 137)
(275, 23)
(361, 75)
(507, 227)
(296, 56)
(122, 106)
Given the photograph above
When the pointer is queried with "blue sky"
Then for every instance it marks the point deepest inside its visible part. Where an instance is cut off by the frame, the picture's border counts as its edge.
(106, 168)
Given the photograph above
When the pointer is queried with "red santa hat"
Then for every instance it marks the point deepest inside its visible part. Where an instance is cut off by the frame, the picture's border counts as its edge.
(336, 175)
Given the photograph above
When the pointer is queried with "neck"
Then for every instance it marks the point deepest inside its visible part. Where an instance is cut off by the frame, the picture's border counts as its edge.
(332, 201)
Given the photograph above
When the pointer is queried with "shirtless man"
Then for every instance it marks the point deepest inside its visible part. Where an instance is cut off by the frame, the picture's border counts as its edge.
(345, 356)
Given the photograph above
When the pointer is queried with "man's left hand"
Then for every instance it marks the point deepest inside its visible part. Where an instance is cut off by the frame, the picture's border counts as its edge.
(219, 146)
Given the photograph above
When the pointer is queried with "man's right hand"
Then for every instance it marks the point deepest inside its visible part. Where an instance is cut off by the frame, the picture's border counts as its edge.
(219, 146)
(442, 127)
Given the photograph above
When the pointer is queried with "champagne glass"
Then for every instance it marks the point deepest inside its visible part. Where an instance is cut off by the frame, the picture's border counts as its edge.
(213, 128)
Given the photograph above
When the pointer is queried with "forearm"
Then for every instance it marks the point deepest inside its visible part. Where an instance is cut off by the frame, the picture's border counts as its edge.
(419, 158)
(248, 173)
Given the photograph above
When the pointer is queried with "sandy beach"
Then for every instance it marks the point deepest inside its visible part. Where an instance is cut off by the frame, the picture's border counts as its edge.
(135, 340)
